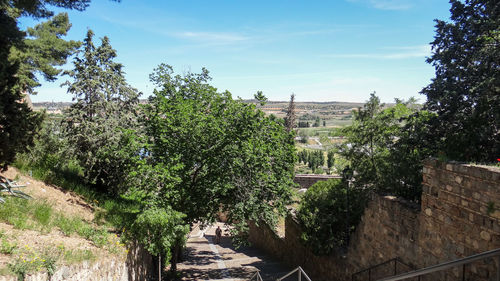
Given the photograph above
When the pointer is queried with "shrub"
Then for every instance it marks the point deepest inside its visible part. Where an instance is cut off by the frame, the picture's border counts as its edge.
(323, 215)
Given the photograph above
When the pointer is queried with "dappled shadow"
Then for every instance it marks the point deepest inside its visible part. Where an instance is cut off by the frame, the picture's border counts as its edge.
(241, 262)
(199, 258)
(216, 273)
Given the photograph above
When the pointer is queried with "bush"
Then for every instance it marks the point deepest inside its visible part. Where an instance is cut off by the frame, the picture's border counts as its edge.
(323, 211)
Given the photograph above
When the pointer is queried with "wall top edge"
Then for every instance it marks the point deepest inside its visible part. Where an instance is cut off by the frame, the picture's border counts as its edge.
(464, 168)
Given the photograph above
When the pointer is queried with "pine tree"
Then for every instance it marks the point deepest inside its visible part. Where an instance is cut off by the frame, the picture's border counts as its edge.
(330, 159)
(22, 54)
(104, 106)
(465, 94)
(290, 114)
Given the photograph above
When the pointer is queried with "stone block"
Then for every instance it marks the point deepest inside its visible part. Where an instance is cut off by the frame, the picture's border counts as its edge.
(485, 235)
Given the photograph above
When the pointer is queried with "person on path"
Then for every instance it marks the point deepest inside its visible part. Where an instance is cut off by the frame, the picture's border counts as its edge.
(218, 234)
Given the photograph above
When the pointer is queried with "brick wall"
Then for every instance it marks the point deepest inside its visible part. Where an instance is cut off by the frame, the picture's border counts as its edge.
(305, 181)
(459, 216)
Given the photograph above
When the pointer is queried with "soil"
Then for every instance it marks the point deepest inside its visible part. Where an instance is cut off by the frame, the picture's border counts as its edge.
(66, 202)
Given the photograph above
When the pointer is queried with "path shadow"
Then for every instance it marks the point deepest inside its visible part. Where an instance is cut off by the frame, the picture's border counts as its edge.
(269, 267)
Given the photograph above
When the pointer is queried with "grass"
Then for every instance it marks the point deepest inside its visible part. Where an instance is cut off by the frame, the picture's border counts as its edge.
(30, 260)
(6, 247)
(78, 256)
(113, 211)
(39, 215)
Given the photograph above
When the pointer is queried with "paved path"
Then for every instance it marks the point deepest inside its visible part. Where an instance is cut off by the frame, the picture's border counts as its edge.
(205, 260)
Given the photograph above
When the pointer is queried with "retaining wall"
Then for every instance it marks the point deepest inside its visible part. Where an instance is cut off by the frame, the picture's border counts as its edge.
(137, 266)
(459, 216)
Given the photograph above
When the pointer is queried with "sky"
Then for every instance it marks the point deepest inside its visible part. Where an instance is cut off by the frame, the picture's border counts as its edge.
(339, 50)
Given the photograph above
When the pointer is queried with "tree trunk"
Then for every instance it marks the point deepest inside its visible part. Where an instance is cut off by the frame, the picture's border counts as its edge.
(159, 268)
(175, 258)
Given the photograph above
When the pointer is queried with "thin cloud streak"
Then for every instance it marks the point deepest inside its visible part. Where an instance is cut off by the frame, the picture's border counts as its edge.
(406, 53)
(223, 37)
(390, 5)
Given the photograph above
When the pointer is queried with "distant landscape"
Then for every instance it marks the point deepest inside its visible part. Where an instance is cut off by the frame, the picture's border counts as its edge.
(334, 113)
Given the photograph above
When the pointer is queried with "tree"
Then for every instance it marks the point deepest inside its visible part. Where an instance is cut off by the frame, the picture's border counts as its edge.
(223, 154)
(330, 159)
(465, 94)
(323, 216)
(21, 54)
(317, 122)
(382, 152)
(105, 105)
(159, 230)
(290, 114)
(261, 98)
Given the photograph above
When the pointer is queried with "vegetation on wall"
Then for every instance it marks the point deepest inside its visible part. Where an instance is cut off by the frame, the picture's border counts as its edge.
(328, 214)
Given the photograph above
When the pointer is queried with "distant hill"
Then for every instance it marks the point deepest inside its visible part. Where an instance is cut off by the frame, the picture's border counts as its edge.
(309, 110)
(325, 110)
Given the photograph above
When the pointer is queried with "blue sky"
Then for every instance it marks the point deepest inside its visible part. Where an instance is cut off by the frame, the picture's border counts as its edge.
(320, 50)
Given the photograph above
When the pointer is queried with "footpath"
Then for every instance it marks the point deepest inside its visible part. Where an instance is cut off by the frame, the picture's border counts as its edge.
(205, 260)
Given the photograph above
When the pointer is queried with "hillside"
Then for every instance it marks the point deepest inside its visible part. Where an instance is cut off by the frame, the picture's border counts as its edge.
(52, 229)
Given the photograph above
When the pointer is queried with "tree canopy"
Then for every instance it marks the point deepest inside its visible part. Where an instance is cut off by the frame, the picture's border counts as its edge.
(329, 213)
(105, 106)
(380, 149)
(22, 53)
(227, 154)
(465, 94)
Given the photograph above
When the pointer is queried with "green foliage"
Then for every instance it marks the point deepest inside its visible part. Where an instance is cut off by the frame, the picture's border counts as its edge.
(40, 215)
(382, 149)
(105, 106)
(464, 95)
(313, 158)
(7, 248)
(211, 148)
(330, 159)
(22, 54)
(159, 230)
(317, 122)
(42, 50)
(13, 212)
(327, 211)
(261, 98)
(30, 260)
(76, 256)
(290, 114)
(303, 124)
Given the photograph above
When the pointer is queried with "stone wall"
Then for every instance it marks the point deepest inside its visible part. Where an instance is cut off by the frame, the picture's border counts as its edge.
(459, 216)
(136, 267)
(290, 250)
(305, 181)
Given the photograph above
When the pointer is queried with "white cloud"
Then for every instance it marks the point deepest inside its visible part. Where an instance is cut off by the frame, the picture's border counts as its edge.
(397, 53)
